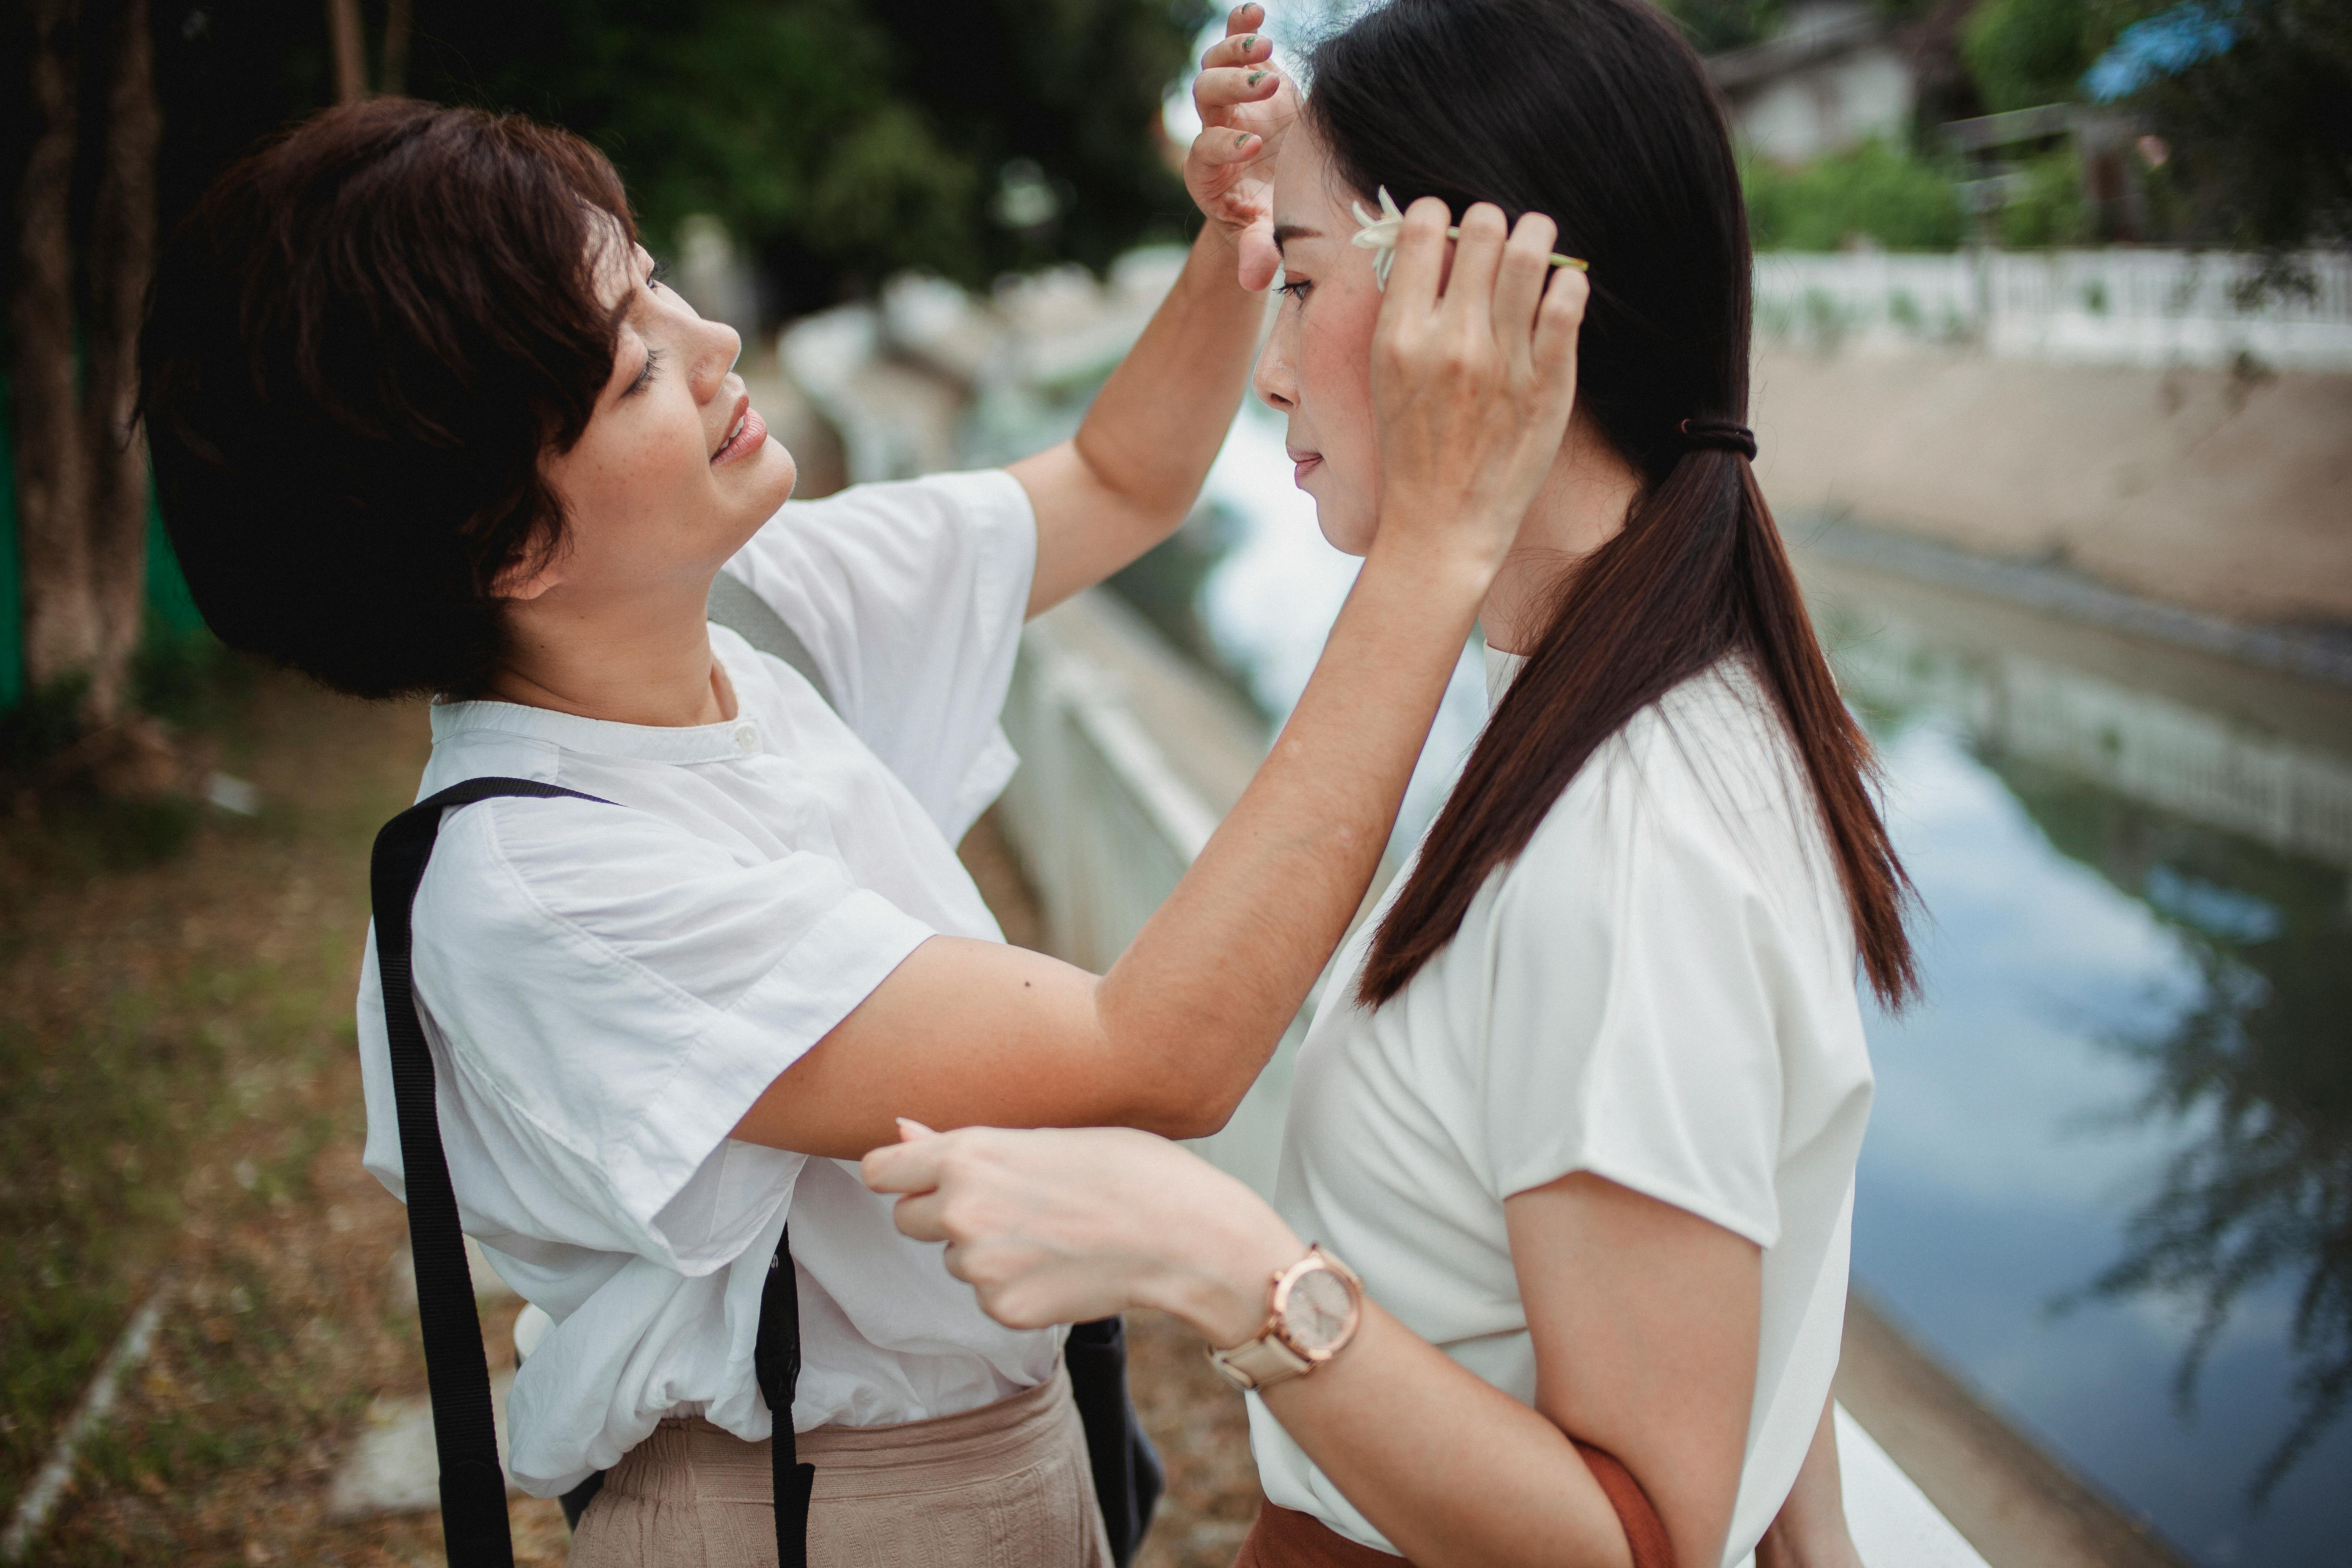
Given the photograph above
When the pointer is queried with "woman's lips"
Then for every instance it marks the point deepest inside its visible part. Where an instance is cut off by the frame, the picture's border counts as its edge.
(1304, 464)
(748, 437)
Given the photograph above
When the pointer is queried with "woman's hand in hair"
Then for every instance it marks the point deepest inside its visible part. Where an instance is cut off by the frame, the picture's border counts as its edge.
(1473, 373)
(1064, 1226)
(1246, 106)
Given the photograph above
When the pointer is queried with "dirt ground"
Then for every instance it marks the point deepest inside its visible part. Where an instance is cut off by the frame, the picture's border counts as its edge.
(180, 1113)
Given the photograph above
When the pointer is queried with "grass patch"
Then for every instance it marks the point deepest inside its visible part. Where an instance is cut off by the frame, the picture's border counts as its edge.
(179, 1100)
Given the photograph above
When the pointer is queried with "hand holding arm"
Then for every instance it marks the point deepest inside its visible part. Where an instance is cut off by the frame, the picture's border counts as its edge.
(1643, 1316)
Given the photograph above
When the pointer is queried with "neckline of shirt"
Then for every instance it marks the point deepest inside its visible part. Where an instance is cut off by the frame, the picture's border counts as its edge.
(729, 741)
(1502, 668)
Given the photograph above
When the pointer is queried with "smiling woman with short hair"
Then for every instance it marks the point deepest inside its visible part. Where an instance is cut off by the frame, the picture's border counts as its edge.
(424, 420)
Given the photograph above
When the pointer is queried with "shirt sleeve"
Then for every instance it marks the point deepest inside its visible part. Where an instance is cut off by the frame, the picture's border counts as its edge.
(1638, 1001)
(607, 1019)
(910, 597)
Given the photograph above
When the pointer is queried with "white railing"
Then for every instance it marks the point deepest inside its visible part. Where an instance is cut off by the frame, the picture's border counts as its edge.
(2151, 309)
(1105, 823)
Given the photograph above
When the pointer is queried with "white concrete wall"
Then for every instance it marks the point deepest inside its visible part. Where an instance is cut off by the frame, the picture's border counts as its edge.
(1828, 106)
(2149, 308)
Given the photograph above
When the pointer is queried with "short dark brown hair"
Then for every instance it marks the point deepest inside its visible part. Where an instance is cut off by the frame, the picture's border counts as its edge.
(362, 342)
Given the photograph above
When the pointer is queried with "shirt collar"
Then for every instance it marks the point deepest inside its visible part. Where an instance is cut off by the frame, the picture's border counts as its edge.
(729, 741)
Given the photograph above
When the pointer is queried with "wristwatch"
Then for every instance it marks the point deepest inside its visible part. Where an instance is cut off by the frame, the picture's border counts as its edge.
(1312, 1311)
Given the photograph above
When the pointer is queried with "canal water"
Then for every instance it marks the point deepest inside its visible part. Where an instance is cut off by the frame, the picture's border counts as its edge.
(2109, 1180)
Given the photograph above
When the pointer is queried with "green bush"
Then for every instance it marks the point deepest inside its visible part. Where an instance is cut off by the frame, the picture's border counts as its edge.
(2022, 53)
(1875, 191)
(2049, 209)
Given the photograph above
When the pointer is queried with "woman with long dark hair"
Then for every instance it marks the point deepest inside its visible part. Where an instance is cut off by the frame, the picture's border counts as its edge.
(1576, 1120)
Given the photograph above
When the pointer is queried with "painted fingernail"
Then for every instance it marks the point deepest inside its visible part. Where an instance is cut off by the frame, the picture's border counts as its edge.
(1256, 78)
(1249, 43)
(1242, 140)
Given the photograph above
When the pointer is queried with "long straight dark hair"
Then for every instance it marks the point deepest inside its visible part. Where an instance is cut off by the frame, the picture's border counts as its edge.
(1599, 114)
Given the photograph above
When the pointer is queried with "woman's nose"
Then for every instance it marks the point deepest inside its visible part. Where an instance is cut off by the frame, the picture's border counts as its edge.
(719, 348)
(1272, 379)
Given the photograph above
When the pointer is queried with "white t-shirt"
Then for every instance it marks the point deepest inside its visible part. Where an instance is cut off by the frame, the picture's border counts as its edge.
(1661, 990)
(606, 989)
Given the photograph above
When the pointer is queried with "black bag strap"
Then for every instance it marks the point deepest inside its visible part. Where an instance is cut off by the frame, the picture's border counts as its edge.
(734, 606)
(465, 1433)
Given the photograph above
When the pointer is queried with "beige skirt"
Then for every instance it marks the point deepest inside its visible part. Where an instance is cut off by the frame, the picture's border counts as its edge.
(1005, 1485)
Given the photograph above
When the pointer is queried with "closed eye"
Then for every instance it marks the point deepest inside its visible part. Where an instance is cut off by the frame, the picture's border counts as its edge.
(1295, 288)
(646, 375)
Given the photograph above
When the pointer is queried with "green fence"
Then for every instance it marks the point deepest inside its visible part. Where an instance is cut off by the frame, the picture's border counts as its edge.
(169, 607)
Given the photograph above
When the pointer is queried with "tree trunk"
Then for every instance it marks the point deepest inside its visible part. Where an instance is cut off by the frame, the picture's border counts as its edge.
(121, 260)
(350, 49)
(396, 22)
(62, 635)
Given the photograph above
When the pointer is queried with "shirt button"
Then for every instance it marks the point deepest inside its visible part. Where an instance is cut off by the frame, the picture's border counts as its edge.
(747, 739)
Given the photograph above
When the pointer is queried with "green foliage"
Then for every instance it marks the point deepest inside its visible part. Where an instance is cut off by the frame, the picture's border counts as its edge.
(1715, 26)
(1875, 191)
(2049, 210)
(2262, 134)
(840, 137)
(2028, 52)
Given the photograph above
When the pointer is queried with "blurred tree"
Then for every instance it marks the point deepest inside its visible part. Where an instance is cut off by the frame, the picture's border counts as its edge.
(86, 122)
(841, 139)
(2028, 52)
(2253, 101)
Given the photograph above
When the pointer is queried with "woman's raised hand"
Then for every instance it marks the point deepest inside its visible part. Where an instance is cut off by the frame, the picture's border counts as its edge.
(1246, 106)
(1473, 376)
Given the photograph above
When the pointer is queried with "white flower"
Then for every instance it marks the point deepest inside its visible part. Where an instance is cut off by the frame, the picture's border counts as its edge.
(1380, 236)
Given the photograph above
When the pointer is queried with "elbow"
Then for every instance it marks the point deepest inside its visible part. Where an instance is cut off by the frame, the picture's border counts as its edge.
(1191, 1111)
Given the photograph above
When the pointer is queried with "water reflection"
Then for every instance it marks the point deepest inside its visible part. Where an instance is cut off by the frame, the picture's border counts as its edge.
(2233, 835)
(2129, 1094)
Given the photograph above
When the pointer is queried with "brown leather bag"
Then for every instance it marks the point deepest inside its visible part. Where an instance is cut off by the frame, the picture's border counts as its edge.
(1283, 1537)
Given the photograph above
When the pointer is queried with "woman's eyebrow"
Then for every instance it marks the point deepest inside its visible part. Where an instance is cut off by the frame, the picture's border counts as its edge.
(1283, 232)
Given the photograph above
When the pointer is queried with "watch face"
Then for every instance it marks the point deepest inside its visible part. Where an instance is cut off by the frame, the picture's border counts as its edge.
(1318, 1311)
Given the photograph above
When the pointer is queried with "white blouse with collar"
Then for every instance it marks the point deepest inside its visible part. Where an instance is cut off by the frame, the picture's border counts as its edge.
(606, 989)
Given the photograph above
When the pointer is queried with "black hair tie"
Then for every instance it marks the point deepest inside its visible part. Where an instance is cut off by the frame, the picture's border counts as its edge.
(1718, 435)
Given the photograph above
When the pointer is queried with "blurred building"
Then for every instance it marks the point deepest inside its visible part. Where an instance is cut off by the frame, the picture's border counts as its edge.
(1831, 79)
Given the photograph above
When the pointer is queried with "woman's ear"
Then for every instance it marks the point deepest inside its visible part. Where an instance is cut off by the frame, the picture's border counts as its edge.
(529, 574)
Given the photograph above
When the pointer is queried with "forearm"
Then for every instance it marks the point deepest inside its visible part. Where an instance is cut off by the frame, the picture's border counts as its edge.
(1156, 426)
(1132, 473)
(967, 1033)
(1200, 998)
(1448, 1466)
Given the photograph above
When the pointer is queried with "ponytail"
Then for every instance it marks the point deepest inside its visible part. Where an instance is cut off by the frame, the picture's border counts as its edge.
(1698, 573)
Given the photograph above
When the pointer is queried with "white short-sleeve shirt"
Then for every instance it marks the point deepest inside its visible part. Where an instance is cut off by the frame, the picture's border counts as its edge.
(606, 989)
(1661, 990)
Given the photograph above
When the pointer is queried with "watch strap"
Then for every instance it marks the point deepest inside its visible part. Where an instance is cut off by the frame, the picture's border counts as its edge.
(1254, 1363)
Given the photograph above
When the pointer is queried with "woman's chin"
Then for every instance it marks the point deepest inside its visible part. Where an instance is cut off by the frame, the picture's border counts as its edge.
(1343, 528)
